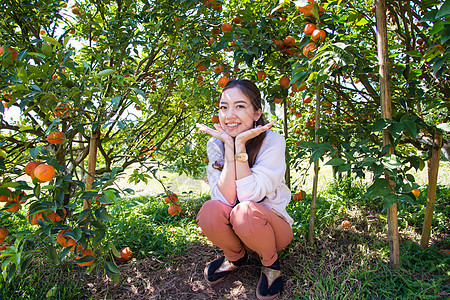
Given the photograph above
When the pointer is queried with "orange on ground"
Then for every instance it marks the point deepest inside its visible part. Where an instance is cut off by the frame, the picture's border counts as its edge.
(84, 253)
(261, 75)
(226, 27)
(172, 198)
(174, 209)
(345, 224)
(284, 81)
(44, 172)
(125, 254)
(289, 41)
(223, 81)
(309, 28)
(318, 35)
(55, 137)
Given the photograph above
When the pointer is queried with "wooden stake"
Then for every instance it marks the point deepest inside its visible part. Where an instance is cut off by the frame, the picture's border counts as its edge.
(386, 112)
(287, 175)
(92, 161)
(433, 167)
(316, 171)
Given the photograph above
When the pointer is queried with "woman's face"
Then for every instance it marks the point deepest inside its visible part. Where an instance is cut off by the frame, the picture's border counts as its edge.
(236, 112)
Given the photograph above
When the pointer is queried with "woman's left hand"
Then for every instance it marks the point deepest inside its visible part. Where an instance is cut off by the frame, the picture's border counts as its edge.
(243, 137)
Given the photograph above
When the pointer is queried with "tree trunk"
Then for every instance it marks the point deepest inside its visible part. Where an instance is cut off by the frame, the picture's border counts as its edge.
(385, 89)
(287, 175)
(92, 161)
(433, 167)
(316, 171)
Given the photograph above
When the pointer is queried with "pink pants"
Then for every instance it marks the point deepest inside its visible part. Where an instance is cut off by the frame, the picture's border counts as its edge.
(247, 226)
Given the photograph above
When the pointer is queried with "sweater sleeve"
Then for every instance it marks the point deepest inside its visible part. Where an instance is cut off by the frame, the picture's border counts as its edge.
(267, 172)
(215, 152)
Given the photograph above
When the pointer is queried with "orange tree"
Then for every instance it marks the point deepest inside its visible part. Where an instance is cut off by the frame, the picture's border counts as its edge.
(117, 78)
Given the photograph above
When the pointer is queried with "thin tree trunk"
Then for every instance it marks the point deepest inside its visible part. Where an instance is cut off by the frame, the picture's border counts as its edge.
(316, 171)
(386, 111)
(433, 167)
(287, 175)
(92, 161)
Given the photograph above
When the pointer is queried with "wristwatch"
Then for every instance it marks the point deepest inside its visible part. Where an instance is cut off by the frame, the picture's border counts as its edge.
(242, 157)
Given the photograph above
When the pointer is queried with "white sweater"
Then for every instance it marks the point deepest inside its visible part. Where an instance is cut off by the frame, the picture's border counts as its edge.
(267, 179)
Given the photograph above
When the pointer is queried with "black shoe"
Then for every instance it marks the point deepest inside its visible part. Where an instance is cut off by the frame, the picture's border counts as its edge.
(270, 283)
(219, 268)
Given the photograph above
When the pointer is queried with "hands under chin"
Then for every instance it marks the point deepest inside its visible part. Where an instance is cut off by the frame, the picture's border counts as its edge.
(243, 137)
(218, 133)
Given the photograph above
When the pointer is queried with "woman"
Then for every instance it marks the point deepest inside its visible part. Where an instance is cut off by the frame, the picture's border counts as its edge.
(249, 196)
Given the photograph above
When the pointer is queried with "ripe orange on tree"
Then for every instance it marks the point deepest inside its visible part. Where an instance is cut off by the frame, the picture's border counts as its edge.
(33, 218)
(14, 53)
(56, 217)
(62, 110)
(125, 254)
(223, 81)
(318, 35)
(307, 8)
(226, 27)
(309, 28)
(3, 246)
(174, 209)
(13, 206)
(289, 41)
(84, 253)
(299, 195)
(171, 198)
(307, 99)
(278, 100)
(215, 119)
(298, 115)
(237, 19)
(261, 75)
(67, 241)
(44, 172)
(7, 192)
(3, 233)
(284, 81)
(55, 137)
(416, 192)
(307, 50)
(201, 67)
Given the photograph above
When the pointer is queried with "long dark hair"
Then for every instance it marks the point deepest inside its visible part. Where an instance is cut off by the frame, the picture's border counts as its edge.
(249, 89)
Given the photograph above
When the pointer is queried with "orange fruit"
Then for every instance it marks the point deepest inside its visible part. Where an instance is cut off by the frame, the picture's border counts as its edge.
(278, 100)
(3, 246)
(172, 198)
(174, 209)
(416, 192)
(62, 110)
(4, 198)
(298, 115)
(15, 206)
(307, 8)
(67, 241)
(223, 81)
(218, 69)
(318, 35)
(261, 75)
(55, 137)
(284, 81)
(84, 253)
(201, 67)
(215, 119)
(3, 233)
(307, 99)
(34, 217)
(289, 41)
(14, 53)
(307, 50)
(309, 28)
(226, 27)
(292, 110)
(125, 254)
(345, 224)
(56, 217)
(237, 19)
(44, 172)
(75, 10)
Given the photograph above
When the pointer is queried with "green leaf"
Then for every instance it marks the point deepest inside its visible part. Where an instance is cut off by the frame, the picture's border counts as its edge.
(414, 53)
(381, 124)
(361, 22)
(335, 162)
(317, 154)
(103, 215)
(114, 277)
(34, 152)
(99, 235)
(111, 268)
(106, 72)
(444, 127)
(396, 129)
(52, 41)
(114, 250)
(444, 10)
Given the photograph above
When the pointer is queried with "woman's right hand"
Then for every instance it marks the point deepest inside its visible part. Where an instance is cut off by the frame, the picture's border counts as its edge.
(218, 133)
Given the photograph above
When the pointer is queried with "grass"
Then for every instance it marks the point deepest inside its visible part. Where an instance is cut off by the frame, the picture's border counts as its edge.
(342, 263)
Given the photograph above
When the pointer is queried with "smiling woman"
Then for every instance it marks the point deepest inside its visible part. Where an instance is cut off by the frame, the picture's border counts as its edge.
(249, 196)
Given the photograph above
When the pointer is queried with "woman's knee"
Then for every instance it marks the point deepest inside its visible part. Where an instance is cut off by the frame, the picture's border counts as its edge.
(213, 214)
(245, 217)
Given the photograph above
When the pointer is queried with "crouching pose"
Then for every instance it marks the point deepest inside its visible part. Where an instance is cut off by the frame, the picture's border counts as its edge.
(246, 171)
